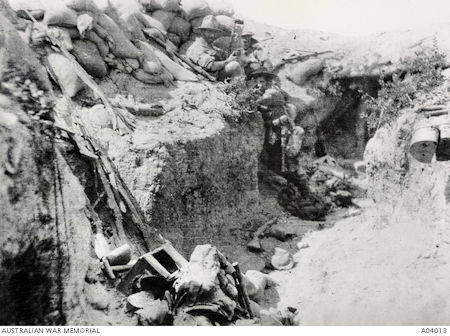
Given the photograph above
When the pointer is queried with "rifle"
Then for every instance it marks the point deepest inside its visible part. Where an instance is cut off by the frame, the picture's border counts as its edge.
(300, 57)
(236, 36)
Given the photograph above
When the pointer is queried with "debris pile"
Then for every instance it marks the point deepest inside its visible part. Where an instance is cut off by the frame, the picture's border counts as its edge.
(163, 288)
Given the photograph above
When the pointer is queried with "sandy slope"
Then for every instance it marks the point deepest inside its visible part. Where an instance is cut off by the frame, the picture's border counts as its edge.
(366, 272)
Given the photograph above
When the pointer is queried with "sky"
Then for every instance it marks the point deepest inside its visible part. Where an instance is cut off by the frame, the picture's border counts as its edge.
(347, 17)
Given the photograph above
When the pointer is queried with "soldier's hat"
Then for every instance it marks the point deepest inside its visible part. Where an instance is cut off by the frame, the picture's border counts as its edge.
(262, 72)
(210, 23)
(250, 35)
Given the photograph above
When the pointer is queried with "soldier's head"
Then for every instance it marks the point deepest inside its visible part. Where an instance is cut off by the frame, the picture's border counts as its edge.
(261, 79)
(247, 40)
(209, 35)
(209, 29)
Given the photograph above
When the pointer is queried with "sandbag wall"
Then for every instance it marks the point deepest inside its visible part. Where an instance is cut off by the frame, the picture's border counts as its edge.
(180, 18)
(122, 35)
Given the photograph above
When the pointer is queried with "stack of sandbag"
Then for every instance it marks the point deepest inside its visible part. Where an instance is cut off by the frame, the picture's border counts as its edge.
(157, 62)
(170, 16)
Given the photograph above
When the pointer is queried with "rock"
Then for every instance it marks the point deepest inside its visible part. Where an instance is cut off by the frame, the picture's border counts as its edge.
(97, 296)
(255, 245)
(281, 233)
(282, 260)
(139, 300)
(88, 55)
(155, 313)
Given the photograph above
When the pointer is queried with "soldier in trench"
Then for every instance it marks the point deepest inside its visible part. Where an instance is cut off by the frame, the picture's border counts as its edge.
(283, 138)
(253, 55)
(203, 53)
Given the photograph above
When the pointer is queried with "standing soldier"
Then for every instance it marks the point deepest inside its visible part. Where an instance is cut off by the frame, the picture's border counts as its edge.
(283, 138)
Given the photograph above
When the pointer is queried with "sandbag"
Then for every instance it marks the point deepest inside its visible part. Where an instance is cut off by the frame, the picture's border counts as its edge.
(164, 17)
(150, 22)
(83, 6)
(146, 77)
(103, 5)
(149, 53)
(60, 15)
(175, 39)
(134, 27)
(178, 72)
(195, 8)
(151, 63)
(125, 13)
(62, 35)
(89, 57)
(221, 7)
(197, 22)
(155, 33)
(125, 8)
(72, 31)
(185, 46)
(152, 68)
(180, 27)
(97, 115)
(168, 5)
(225, 23)
(300, 73)
(122, 45)
(101, 44)
(65, 74)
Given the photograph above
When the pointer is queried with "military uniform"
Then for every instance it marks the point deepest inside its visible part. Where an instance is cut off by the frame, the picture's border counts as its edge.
(202, 54)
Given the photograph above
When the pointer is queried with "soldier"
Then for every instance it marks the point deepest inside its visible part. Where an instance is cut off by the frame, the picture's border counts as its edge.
(252, 56)
(203, 53)
(283, 138)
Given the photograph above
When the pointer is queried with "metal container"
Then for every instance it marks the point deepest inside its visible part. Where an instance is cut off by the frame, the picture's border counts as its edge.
(443, 148)
(424, 143)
